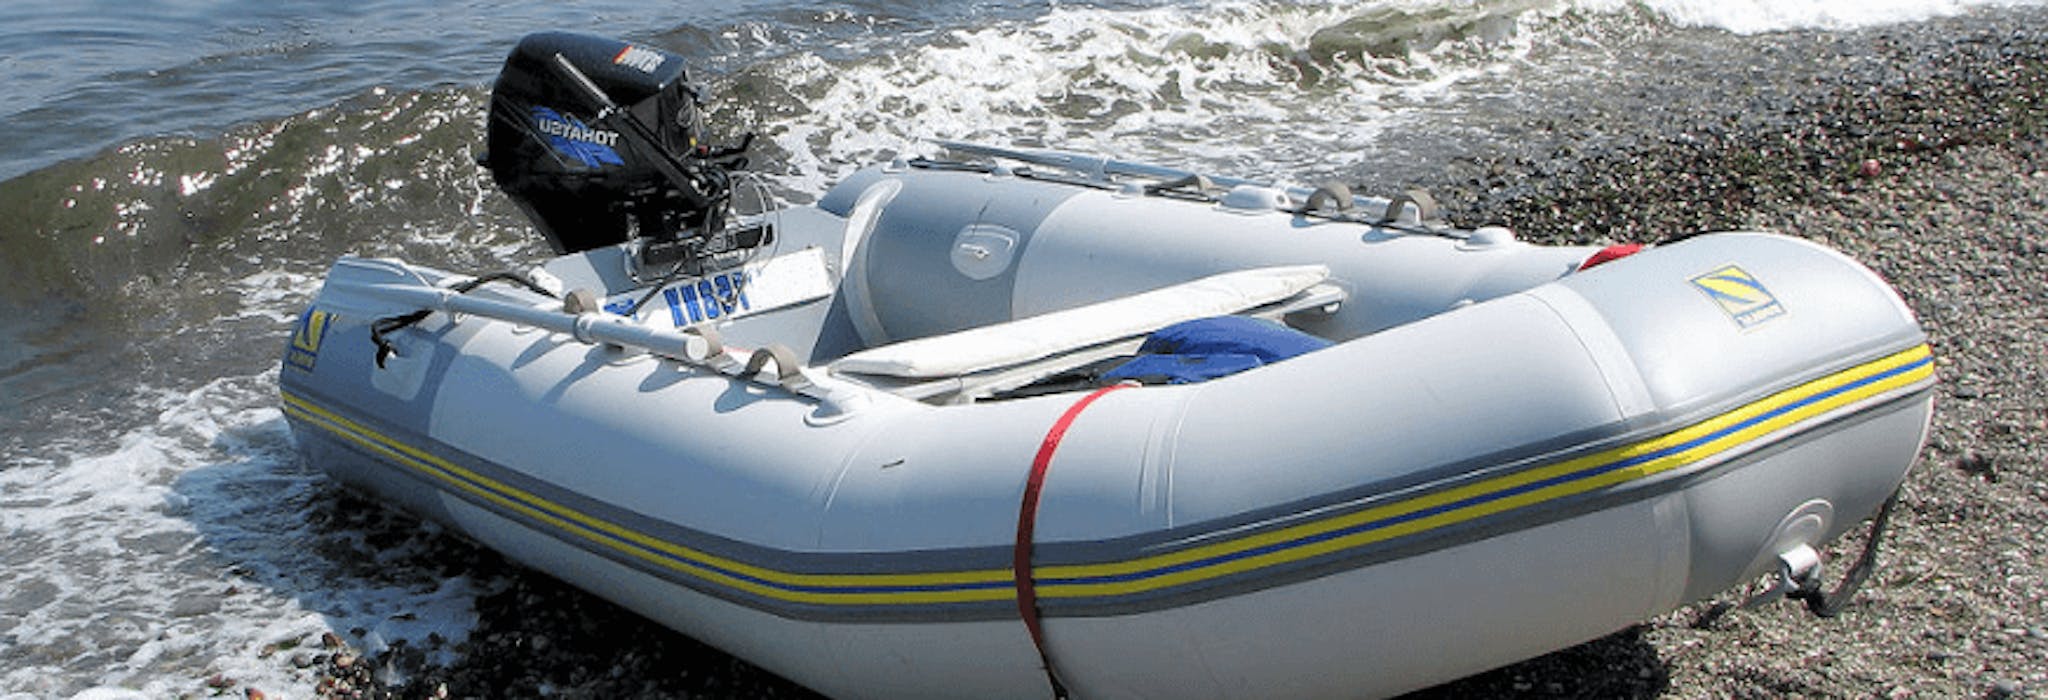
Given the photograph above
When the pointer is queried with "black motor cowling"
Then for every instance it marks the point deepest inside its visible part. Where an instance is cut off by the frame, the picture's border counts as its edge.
(605, 149)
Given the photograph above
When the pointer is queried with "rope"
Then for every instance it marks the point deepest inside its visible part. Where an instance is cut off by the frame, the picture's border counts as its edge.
(384, 326)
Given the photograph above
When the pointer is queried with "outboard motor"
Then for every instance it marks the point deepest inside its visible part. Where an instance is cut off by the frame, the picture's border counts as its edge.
(599, 141)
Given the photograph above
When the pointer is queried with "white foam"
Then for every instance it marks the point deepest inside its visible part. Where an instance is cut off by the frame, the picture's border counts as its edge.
(274, 294)
(1231, 82)
(183, 552)
(1757, 16)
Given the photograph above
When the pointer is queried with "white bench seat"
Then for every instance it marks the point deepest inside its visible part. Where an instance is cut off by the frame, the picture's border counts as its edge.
(1023, 340)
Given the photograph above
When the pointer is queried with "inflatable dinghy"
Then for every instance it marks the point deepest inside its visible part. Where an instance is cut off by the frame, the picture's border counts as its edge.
(1026, 423)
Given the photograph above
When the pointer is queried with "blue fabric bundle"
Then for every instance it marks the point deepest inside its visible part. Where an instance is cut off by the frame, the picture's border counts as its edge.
(1207, 348)
(1179, 369)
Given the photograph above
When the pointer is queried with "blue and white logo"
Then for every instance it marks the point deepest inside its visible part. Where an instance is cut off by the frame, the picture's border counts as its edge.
(573, 140)
(1739, 295)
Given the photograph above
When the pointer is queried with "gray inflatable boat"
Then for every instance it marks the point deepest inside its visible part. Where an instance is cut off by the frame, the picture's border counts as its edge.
(1029, 423)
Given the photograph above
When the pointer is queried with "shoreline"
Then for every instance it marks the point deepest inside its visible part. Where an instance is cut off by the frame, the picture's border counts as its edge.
(1954, 114)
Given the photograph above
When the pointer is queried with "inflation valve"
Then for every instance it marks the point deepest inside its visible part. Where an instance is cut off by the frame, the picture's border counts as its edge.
(1799, 576)
(1800, 572)
(1830, 603)
(1799, 569)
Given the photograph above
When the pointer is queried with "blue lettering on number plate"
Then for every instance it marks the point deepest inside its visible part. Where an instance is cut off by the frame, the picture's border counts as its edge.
(710, 298)
(707, 299)
(675, 307)
(690, 304)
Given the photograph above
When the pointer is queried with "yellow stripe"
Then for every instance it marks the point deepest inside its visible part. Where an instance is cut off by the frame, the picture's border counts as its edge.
(1521, 478)
(707, 566)
(589, 528)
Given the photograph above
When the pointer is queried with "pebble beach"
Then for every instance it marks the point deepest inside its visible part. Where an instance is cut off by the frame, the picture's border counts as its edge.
(1923, 154)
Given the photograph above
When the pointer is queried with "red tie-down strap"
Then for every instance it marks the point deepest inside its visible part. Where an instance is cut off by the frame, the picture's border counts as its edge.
(1610, 254)
(1027, 524)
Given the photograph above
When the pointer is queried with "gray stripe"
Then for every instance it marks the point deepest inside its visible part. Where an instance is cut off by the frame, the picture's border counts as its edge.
(1122, 549)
